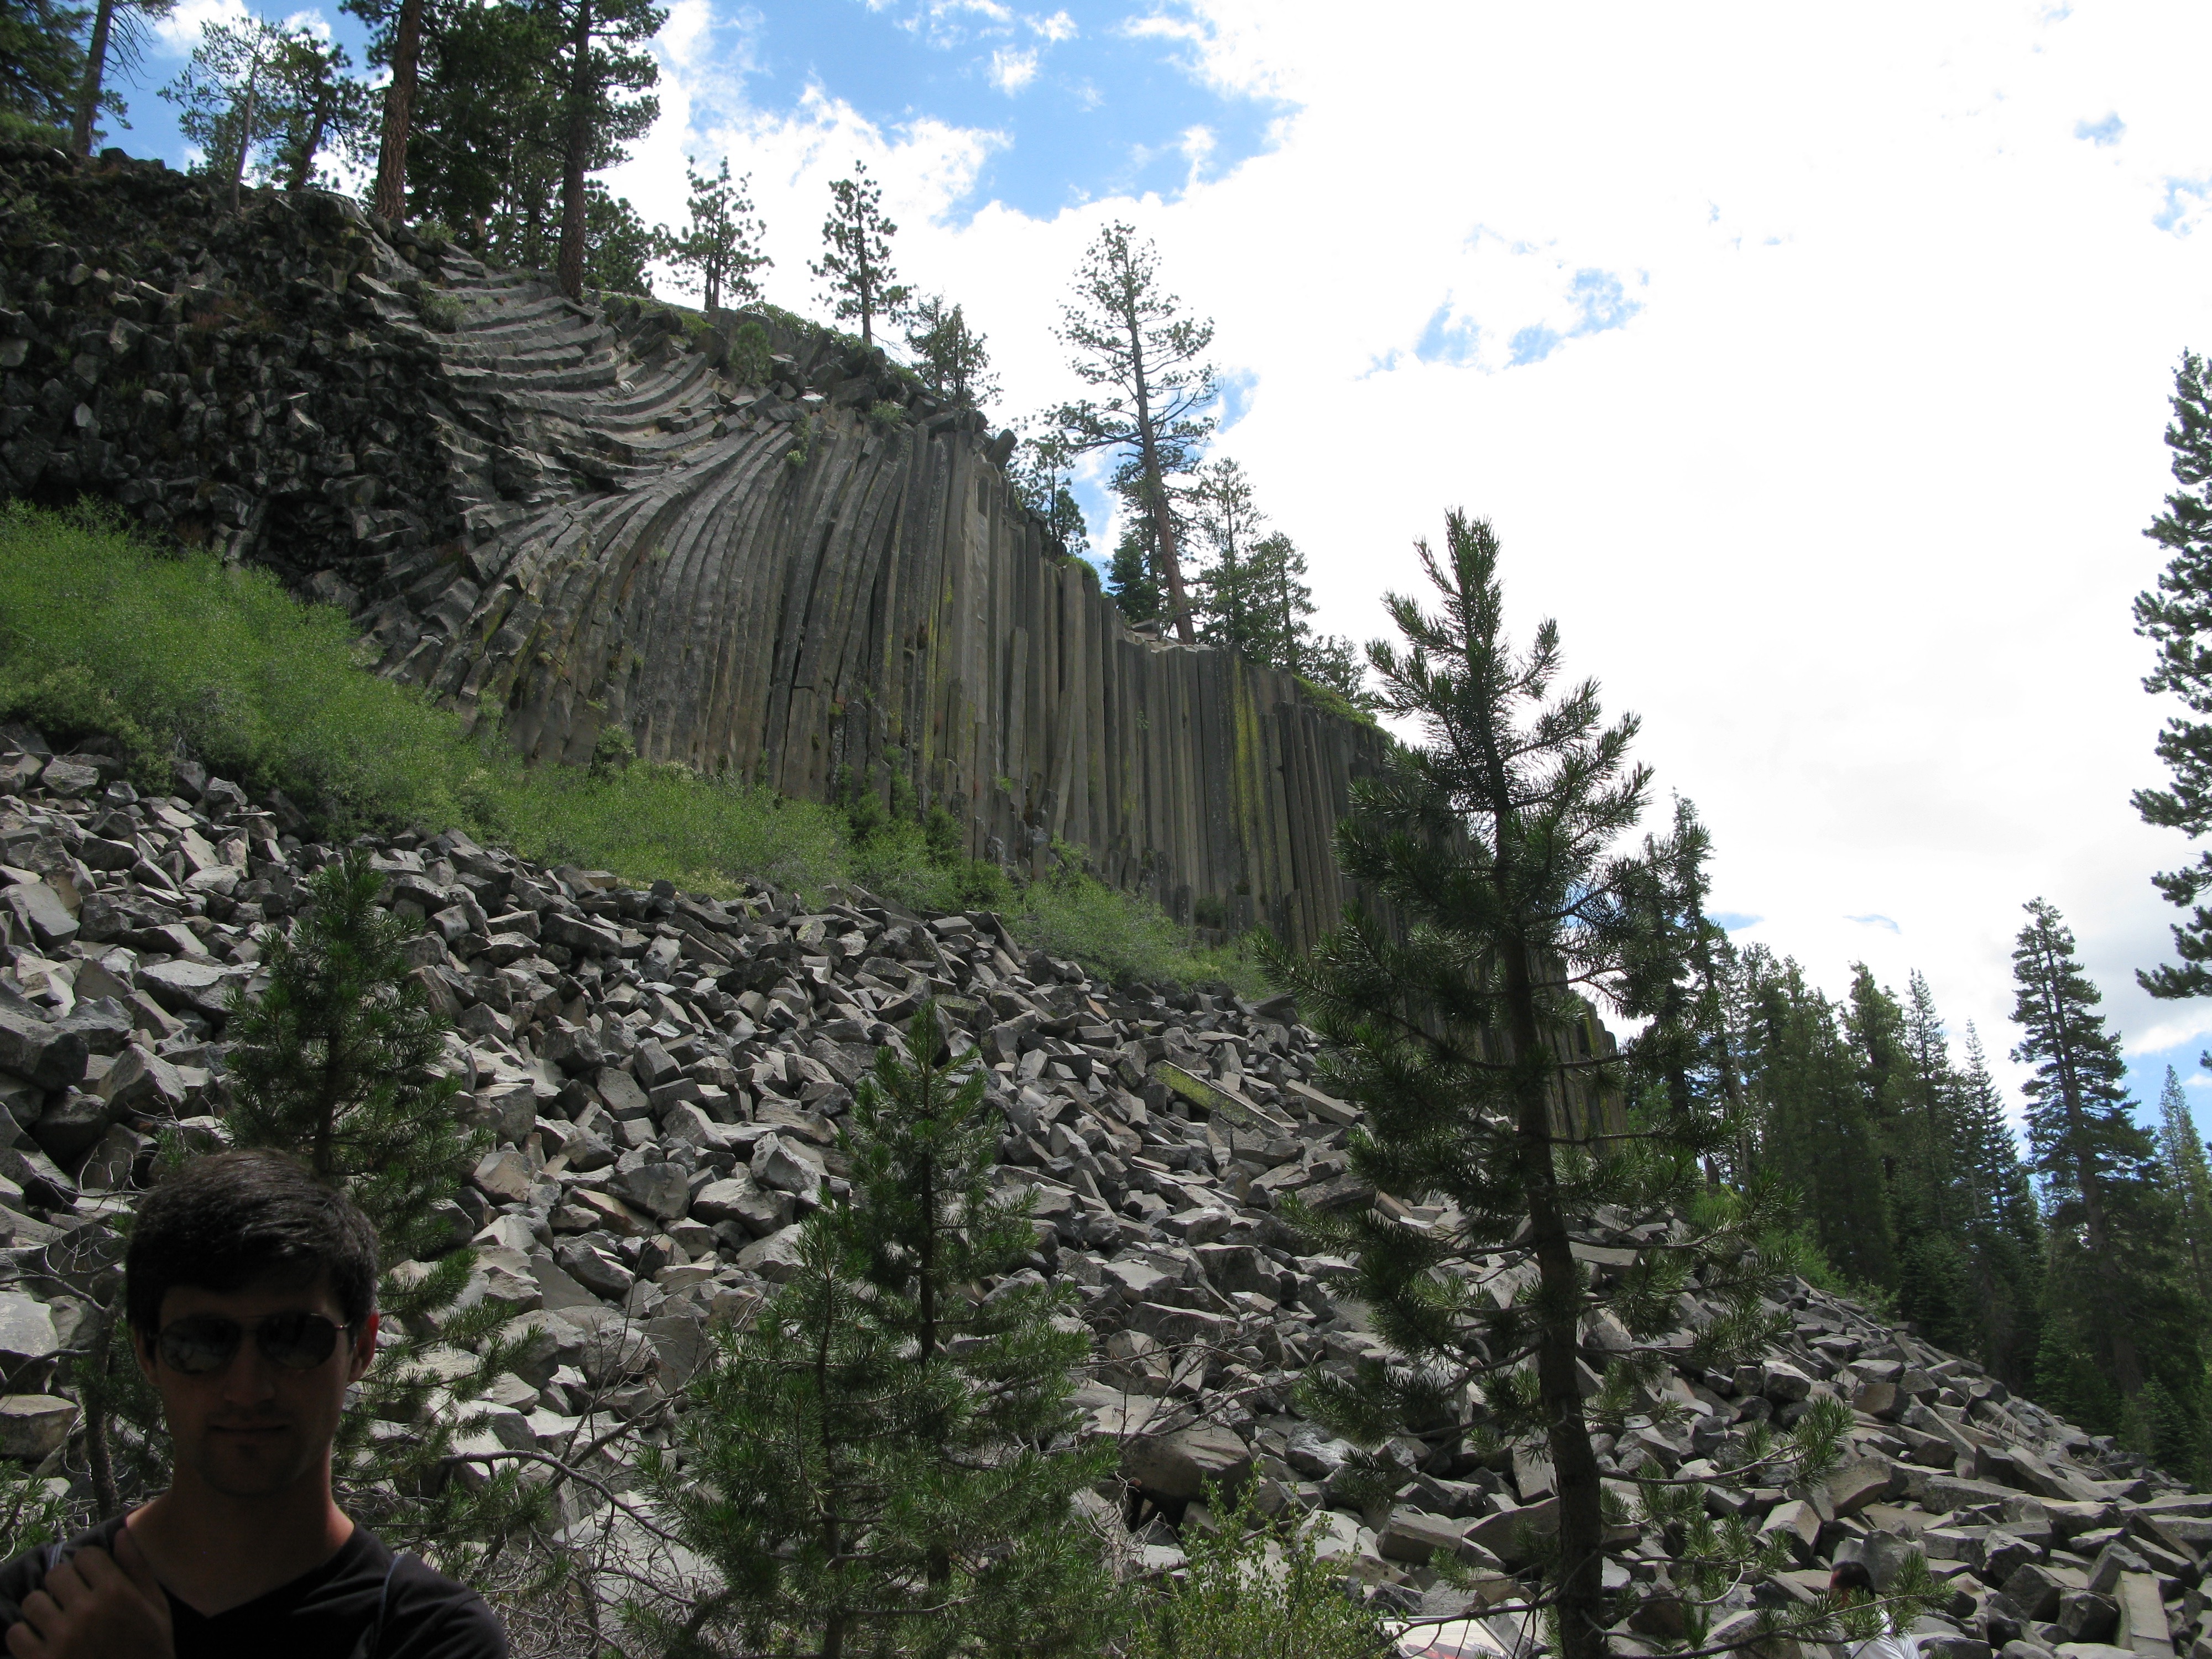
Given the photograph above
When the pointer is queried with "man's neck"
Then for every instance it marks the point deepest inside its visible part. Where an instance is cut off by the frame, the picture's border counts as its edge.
(213, 1551)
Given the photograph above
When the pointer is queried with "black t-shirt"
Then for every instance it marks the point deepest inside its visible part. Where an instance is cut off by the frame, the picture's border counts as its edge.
(360, 1604)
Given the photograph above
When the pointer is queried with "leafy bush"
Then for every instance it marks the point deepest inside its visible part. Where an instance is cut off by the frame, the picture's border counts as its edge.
(1249, 1592)
(439, 311)
(885, 416)
(749, 356)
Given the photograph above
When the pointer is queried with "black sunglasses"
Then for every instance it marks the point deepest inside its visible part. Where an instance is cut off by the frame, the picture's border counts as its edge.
(199, 1344)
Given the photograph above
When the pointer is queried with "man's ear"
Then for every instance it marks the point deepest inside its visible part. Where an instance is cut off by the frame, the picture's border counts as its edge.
(143, 1351)
(364, 1349)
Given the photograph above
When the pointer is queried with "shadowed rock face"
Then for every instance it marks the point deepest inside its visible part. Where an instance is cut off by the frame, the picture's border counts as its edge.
(572, 518)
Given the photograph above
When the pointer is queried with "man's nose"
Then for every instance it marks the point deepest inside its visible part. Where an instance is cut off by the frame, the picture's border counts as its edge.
(249, 1378)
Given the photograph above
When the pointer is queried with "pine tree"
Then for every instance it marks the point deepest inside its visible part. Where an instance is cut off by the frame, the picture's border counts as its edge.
(2178, 619)
(950, 356)
(2082, 1129)
(721, 245)
(855, 267)
(330, 1062)
(324, 109)
(618, 244)
(119, 35)
(1129, 337)
(605, 43)
(1337, 664)
(2004, 1226)
(42, 67)
(1285, 602)
(862, 1464)
(338, 1062)
(1815, 1131)
(1490, 842)
(225, 96)
(1930, 1090)
(1226, 590)
(1042, 480)
(396, 42)
(2191, 1178)
(1132, 577)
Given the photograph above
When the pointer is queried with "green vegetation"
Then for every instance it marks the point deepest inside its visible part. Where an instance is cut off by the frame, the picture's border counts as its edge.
(866, 1466)
(337, 1064)
(150, 654)
(1251, 1591)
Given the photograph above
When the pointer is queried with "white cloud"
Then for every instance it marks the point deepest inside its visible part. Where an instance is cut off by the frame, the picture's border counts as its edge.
(1054, 29)
(1849, 510)
(179, 31)
(1012, 70)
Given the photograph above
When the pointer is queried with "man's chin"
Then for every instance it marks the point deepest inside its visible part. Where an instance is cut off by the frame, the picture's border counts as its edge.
(250, 1465)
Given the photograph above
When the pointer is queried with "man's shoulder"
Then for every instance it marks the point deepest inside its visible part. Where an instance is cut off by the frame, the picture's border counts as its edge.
(428, 1615)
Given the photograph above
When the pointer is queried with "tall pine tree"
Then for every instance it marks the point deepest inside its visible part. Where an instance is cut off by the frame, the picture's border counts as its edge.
(2191, 1178)
(855, 268)
(2116, 1316)
(2178, 620)
(1491, 841)
(1132, 343)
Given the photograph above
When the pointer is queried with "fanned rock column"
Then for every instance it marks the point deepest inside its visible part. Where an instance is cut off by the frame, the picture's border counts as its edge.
(572, 518)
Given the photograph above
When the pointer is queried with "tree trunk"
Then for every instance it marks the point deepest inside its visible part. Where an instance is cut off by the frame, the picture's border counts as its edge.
(1156, 489)
(570, 275)
(398, 114)
(95, 66)
(1581, 1588)
(105, 1493)
(2127, 1365)
(303, 164)
(246, 131)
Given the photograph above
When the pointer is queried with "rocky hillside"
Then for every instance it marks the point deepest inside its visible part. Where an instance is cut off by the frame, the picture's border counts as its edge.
(578, 519)
(664, 1074)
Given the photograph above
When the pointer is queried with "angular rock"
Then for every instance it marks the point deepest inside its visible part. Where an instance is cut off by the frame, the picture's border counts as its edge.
(30, 1047)
(1179, 1465)
(34, 1425)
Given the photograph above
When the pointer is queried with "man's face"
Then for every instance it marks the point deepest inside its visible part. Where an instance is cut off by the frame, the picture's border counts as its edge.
(254, 1428)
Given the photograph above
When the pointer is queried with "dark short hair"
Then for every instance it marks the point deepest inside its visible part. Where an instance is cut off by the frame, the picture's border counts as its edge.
(1851, 1575)
(222, 1221)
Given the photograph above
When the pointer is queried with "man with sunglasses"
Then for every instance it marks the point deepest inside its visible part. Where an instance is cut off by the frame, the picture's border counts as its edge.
(250, 1288)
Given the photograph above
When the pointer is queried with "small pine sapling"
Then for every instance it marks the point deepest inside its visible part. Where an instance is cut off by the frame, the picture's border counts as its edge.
(880, 1461)
(338, 1062)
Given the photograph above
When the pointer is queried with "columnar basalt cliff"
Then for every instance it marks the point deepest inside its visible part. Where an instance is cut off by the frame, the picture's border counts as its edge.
(578, 519)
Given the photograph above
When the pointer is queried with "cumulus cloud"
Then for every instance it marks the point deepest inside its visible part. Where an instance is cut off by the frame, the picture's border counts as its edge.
(179, 29)
(1012, 70)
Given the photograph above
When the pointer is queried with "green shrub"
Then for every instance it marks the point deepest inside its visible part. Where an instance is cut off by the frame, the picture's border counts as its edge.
(1251, 1592)
(885, 416)
(1210, 912)
(439, 311)
(1335, 702)
(749, 355)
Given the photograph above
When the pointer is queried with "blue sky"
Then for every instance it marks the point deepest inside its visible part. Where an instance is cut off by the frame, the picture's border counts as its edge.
(1084, 100)
(1090, 100)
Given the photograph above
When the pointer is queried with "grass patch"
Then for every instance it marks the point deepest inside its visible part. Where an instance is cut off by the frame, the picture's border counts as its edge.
(156, 655)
